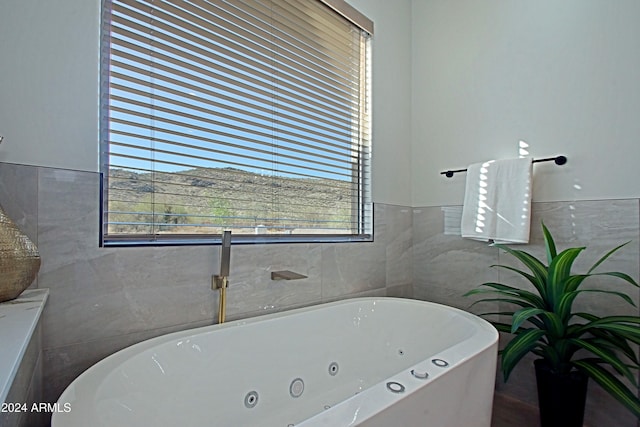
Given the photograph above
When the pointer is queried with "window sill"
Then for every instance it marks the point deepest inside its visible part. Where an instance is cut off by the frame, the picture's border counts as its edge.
(159, 240)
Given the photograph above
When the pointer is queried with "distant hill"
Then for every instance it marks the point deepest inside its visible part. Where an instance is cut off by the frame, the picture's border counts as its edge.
(187, 201)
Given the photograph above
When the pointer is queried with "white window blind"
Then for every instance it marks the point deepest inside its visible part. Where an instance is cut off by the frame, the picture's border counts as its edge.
(246, 115)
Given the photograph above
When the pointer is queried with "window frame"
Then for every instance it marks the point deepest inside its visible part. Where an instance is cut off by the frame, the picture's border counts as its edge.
(364, 203)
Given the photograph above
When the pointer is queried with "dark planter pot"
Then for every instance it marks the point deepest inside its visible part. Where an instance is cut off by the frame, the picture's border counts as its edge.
(561, 397)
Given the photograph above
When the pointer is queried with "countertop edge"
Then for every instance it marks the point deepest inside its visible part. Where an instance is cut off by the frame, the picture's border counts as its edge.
(18, 321)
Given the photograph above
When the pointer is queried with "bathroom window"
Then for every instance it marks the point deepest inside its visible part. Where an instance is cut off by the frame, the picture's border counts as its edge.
(251, 116)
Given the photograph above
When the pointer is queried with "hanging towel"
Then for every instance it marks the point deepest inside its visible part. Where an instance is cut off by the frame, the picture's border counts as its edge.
(497, 201)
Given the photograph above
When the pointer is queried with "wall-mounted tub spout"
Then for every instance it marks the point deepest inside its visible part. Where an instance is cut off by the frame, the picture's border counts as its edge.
(286, 275)
(221, 281)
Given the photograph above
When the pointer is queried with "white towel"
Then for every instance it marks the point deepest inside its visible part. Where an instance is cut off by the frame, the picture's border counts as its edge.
(497, 201)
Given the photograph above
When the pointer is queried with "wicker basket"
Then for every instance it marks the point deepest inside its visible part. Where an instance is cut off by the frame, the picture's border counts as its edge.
(19, 259)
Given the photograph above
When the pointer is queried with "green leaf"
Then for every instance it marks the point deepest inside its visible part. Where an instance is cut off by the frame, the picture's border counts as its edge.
(628, 332)
(565, 304)
(607, 255)
(550, 355)
(567, 299)
(549, 244)
(519, 303)
(619, 275)
(518, 347)
(536, 322)
(509, 291)
(611, 384)
(587, 316)
(539, 284)
(595, 321)
(573, 283)
(564, 350)
(538, 269)
(616, 342)
(606, 355)
(521, 316)
(531, 262)
(496, 313)
(559, 271)
(552, 323)
(620, 294)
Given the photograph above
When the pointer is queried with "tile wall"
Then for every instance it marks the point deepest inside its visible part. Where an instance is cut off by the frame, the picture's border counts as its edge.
(104, 299)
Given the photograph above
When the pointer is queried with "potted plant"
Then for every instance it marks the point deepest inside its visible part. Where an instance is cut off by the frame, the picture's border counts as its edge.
(572, 346)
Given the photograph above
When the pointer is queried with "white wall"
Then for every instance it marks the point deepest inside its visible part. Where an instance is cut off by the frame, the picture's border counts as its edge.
(48, 83)
(49, 88)
(561, 75)
(391, 54)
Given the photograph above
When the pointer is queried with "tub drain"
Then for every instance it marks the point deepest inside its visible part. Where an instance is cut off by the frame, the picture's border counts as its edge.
(251, 399)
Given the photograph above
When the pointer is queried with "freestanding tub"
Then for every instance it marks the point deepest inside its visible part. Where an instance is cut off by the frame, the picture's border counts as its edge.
(367, 362)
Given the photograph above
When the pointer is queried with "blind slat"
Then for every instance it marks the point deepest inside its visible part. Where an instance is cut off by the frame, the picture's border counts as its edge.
(223, 110)
(302, 137)
(160, 124)
(326, 108)
(261, 58)
(250, 42)
(260, 77)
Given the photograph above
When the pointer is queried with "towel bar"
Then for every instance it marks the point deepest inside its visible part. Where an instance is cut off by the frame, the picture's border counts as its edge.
(559, 160)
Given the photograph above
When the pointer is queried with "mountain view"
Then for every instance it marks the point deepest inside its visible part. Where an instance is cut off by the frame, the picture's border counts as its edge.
(207, 200)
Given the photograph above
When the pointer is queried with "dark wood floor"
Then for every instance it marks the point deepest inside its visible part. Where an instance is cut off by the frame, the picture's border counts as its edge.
(508, 412)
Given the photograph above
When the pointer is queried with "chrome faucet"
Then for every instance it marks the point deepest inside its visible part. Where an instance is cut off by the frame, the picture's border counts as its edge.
(221, 281)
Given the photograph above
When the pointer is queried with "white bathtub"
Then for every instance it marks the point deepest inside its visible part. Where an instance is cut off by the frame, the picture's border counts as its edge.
(339, 364)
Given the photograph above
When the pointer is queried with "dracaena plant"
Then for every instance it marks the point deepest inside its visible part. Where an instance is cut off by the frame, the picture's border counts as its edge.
(545, 323)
